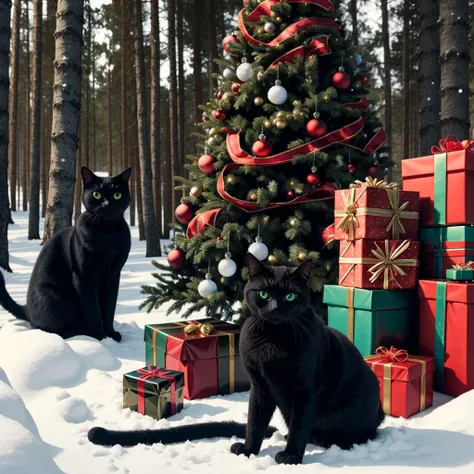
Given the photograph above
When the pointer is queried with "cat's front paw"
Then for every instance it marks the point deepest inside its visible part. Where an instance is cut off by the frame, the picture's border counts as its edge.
(240, 448)
(115, 335)
(286, 458)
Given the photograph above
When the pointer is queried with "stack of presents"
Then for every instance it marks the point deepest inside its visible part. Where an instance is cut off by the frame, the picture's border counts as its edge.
(405, 297)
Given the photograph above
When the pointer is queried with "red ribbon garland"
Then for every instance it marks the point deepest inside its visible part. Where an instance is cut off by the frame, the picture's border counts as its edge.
(265, 7)
(452, 143)
(200, 221)
(392, 354)
(153, 373)
(362, 104)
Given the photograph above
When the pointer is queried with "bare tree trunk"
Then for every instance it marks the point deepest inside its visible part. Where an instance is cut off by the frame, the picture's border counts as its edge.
(87, 69)
(34, 215)
(26, 191)
(5, 33)
(387, 81)
(429, 76)
(454, 47)
(355, 25)
(212, 38)
(167, 173)
(123, 84)
(139, 198)
(197, 59)
(151, 232)
(78, 185)
(13, 103)
(94, 164)
(66, 115)
(405, 152)
(155, 112)
(181, 106)
(109, 126)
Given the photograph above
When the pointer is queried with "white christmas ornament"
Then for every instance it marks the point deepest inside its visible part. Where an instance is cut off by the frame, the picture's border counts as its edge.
(258, 249)
(277, 94)
(207, 287)
(244, 71)
(269, 27)
(229, 74)
(227, 267)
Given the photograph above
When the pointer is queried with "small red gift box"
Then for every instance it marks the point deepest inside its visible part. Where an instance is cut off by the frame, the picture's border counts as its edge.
(445, 181)
(406, 382)
(379, 264)
(376, 210)
(447, 333)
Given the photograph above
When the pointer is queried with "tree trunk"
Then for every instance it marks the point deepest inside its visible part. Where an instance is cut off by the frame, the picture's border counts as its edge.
(66, 115)
(5, 32)
(167, 173)
(26, 170)
(123, 84)
(94, 164)
(197, 59)
(87, 70)
(155, 113)
(151, 232)
(454, 48)
(34, 214)
(405, 152)
(387, 81)
(355, 25)
(181, 106)
(78, 185)
(109, 126)
(13, 103)
(212, 38)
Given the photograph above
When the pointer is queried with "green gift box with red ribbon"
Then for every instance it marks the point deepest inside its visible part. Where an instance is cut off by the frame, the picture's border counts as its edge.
(154, 391)
(446, 332)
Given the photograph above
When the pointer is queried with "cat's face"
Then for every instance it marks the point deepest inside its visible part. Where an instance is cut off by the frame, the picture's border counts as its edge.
(106, 197)
(277, 294)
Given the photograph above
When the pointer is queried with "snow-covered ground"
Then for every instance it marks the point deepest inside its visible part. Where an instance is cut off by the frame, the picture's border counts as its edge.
(53, 391)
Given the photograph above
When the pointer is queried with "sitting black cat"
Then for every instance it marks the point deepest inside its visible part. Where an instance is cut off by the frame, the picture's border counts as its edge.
(324, 389)
(74, 285)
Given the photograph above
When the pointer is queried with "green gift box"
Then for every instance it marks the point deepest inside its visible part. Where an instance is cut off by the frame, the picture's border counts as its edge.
(373, 318)
(154, 391)
(456, 274)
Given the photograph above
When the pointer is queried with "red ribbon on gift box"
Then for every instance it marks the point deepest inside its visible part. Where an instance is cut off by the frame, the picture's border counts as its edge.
(391, 355)
(452, 143)
(154, 373)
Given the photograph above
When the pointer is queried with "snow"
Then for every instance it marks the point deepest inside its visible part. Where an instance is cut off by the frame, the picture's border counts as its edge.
(53, 391)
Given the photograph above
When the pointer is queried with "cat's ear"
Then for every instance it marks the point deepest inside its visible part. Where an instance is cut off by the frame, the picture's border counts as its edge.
(88, 176)
(304, 270)
(124, 176)
(255, 266)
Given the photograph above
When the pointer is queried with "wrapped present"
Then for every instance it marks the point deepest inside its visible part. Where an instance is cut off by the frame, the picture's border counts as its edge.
(461, 272)
(370, 318)
(378, 264)
(376, 210)
(445, 181)
(207, 351)
(446, 333)
(154, 391)
(406, 382)
(443, 247)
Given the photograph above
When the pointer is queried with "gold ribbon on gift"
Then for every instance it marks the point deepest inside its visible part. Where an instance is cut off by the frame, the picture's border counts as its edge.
(349, 222)
(204, 329)
(464, 266)
(387, 373)
(386, 264)
(350, 313)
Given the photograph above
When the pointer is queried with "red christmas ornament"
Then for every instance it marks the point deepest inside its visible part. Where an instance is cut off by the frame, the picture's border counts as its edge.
(232, 38)
(291, 194)
(316, 128)
(365, 79)
(220, 238)
(312, 179)
(341, 80)
(218, 114)
(184, 213)
(373, 171)
(205, 118)
(219, 95)
(351, 168)
(176, 258)
(235, 88)
(262, 148)
(206, 164)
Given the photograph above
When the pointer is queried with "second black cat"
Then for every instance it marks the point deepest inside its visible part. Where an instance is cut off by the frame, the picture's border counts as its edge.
(74, 285)
(317, 378)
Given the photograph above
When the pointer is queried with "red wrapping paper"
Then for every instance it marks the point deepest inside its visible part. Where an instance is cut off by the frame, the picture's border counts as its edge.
(451, 206)
(356, 206)
(458, 319)
(357, 261)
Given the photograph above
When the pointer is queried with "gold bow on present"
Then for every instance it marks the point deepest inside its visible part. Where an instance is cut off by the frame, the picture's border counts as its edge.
(373, 183)
(204, 329)
(464, 266)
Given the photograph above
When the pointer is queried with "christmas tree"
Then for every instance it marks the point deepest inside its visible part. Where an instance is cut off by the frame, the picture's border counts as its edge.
(289, 124)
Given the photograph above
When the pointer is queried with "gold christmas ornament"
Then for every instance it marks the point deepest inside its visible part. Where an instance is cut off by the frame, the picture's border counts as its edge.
(280, 124)
(227, 97)
(213, 131)
(266, 219)
(272, 260)
(302, 256)
(294, 222)
(195, 191)
(267, 124)
(253, 196)
(231, 179)
(280, 115)
(292, 183)
(278, 19)
(260, 75)
(223, 280)
(258, 101)
(297, 114)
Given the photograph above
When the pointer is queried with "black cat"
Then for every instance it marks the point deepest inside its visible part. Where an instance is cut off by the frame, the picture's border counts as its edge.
(324, 389)
(74, 285)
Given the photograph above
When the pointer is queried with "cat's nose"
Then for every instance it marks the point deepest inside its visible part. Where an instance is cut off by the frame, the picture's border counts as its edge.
(105, 203)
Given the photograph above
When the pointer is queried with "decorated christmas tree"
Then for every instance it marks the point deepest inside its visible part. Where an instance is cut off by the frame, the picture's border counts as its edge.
(289, 124)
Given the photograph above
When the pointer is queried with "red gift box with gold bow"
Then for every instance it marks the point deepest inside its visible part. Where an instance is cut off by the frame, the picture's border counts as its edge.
(406, 382)
(445, 181)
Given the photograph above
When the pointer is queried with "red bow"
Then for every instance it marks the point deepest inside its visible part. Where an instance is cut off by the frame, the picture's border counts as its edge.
(452, 143)
(392, 354)
(153, 373)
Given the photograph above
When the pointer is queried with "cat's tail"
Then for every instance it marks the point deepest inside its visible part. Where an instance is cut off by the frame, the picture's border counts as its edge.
(178, 434)
(7, 302)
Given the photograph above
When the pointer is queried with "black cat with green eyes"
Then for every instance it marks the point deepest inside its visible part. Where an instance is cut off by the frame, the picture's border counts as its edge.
(74, 285)
(314, 375)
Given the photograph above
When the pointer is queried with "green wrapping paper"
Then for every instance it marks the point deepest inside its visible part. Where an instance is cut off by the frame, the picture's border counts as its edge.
(373, 318)
(440, 188)
(440, 335)
(460, 275)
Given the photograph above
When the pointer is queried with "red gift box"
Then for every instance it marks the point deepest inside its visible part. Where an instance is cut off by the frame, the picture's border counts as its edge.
(445, 182)
(447, 333)
(379, 264)
(406, 382)
(376, 210)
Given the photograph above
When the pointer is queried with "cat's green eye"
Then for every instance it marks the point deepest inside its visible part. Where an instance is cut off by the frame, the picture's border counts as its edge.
(290, 297)
(118, 196)
(96, 194)
(263, 294)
